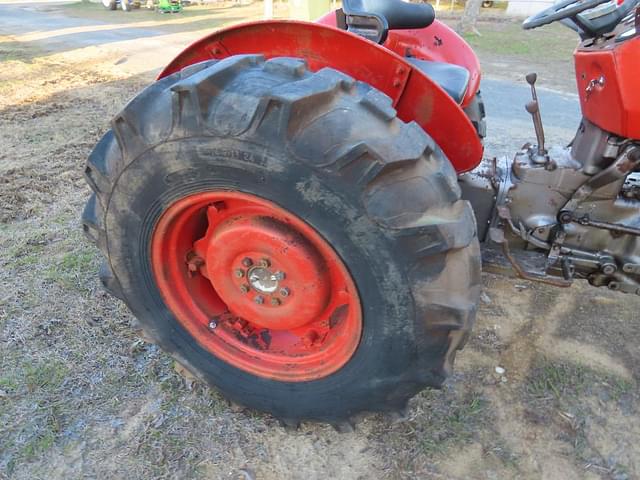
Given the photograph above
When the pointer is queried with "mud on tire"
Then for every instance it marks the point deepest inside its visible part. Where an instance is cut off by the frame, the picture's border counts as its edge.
(331, 151)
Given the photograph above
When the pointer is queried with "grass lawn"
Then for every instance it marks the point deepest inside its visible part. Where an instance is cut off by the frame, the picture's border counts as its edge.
(553, 42)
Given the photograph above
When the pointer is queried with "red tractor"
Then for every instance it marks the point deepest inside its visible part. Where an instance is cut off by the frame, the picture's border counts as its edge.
(294, 211)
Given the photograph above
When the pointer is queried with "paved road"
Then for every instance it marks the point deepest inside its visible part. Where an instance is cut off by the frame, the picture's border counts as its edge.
(509, 125)
(145, 47)
(41, 22)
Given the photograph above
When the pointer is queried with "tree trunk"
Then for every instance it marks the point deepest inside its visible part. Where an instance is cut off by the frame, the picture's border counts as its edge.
(469, 18)
(268, 9)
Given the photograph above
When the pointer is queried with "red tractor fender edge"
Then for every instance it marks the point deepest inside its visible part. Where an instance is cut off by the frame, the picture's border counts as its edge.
(437, 43)
(415, 96)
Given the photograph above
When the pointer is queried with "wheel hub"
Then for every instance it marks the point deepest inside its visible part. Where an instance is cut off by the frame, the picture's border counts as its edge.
(264, 280)
(281, 302)
(262, 293)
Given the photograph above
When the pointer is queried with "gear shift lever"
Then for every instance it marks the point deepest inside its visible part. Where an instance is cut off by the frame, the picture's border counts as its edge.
(533, 107)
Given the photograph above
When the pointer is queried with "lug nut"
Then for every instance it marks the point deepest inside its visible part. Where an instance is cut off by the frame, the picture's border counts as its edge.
(279, 276)
(247, 262)
(264, 262)
(239, 273)
(284, 292)
(213, 324)
(275, 302)
(245, 288)
(259, 299)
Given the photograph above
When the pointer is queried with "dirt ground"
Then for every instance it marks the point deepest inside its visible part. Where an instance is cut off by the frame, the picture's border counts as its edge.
(82, 397)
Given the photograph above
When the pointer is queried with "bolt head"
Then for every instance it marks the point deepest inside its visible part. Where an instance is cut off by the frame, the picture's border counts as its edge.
(259, 299)
(310, 338)
(565, 217)
(284, 292)
(213, 324)
(239, 273)
(245, 288)
(275, 302)
(264, 262)
(279, 276)
(194, 262)
(247, 262)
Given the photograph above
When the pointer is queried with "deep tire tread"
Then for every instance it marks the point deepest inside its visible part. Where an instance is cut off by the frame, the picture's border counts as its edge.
(406, 184)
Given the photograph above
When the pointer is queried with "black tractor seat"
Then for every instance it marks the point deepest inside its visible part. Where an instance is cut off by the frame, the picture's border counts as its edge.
(453, 79)
(399, 14)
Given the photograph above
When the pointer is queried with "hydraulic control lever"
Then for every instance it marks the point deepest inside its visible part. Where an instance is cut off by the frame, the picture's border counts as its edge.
(533, 107)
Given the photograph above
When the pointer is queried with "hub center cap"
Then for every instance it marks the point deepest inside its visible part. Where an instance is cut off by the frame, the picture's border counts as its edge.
(265, 272)
(263, 280)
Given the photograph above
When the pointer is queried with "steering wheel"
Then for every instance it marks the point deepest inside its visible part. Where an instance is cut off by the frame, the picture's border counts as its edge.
(559, 11)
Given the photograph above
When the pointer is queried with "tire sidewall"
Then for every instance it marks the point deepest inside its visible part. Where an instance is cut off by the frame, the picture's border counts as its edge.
(175, 169)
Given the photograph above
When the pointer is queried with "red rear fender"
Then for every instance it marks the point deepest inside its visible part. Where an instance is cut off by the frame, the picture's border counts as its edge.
(437, 43)
(415, 96)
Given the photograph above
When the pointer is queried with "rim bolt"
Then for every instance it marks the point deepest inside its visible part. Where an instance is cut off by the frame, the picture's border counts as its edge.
(247, 262)
(213, 324)
(310, 338)
(275, 302)
(245, 288)
(264, 262)
(239, 273)
(259, 299)
(279, 276)
(284, 292)
(194, 262)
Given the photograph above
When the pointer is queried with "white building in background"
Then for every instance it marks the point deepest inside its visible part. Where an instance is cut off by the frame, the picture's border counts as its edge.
(524, 8)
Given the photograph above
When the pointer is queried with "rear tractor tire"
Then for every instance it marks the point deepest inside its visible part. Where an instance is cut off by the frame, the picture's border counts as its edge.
(286, 237)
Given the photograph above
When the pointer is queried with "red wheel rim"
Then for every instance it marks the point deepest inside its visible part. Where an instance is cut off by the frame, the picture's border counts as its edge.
(256, 286)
